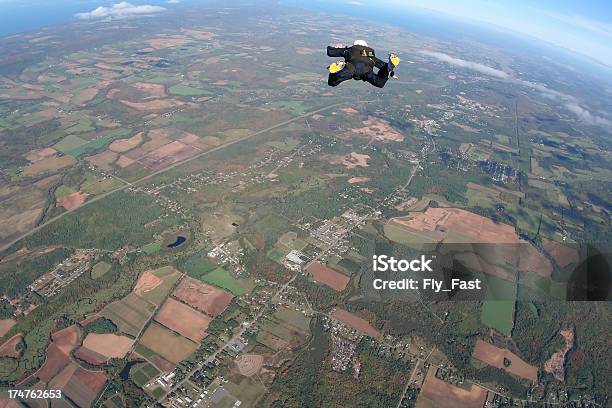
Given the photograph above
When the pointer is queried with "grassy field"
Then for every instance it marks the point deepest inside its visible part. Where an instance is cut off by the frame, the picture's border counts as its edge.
(100, 269)
(184, 90)
(169, 277)
(247, 390)
(82, 126)
(277, 254)
(294, 318)
(403, 236)
(295, 107)
(151, 248)
(98, 143)
(129, 314)
(198, 266)
(221, 278)
(285, 145)
(68, 143)
(143, 373)
(63, 191)
(94, 185)
(498, 308)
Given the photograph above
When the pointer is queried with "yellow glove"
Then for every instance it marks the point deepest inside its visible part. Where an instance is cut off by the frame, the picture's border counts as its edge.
(336, 67)
(394, 59)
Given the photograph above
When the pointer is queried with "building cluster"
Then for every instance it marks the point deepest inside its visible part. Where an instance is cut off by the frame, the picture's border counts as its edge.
(62, 274)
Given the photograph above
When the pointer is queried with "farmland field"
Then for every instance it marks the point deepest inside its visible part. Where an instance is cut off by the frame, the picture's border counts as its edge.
(155, 286)
(184, 320)
(167, 344)
(198, 265)
(203, 297)
(499, 314)
(143, 373)
(100, 269)
(221, 278)
(129, 314)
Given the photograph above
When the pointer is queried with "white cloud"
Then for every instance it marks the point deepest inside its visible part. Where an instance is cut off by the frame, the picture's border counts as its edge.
(119, 10)
(467, 64)
(355, 3)
(568, 101)
(594, 26)
(173, 1)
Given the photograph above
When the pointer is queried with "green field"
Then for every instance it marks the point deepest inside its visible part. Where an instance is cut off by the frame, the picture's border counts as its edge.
(285, 145)
(403, 236)
(221, 278)
(295, 107)
(93, 185)
(151, 248)
(277, 254)
(198, 266)
(247, 390)
(82, 126)
(498, 309)
(144, 351)
(129, 314)
(169, 277)
(143, 373)
(184, 90)
(98, 143)
(68, 143)
(63, 191)
(294, 318)
(99, 269)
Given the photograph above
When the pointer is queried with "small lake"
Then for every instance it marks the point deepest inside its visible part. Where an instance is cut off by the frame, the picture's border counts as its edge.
(179, 240)
(125, 373)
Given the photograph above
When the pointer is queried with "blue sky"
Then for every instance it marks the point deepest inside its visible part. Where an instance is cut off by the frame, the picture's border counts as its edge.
(583, 27)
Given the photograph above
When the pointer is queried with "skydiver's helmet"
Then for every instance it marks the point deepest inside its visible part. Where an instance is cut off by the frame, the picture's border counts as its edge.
(360, 42)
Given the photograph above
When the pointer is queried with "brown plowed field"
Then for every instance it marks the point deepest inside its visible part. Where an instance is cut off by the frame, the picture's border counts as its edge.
(184, 320)
(5, 326)
(354, 159)
(356, 180)
(355, 322)
(124, 161)
(51, 163)
(153, 105)
(205, 298)
(168, 154)
(380, 130)
(73, 200)
(562, 254)
(473, 227)
(39, 154)
(494, 356)
(146, 282)
(108, 344)
(123, 145)
(443, 395)
(63, 342)
(8, 348)
(157, 90)
(167, 344)
(328, 276)
(89, 356)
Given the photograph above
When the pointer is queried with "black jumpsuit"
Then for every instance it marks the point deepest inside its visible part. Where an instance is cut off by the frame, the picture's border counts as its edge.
(358, 66)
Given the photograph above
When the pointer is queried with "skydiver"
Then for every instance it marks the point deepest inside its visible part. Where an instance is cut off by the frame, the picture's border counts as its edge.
(359, 62)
